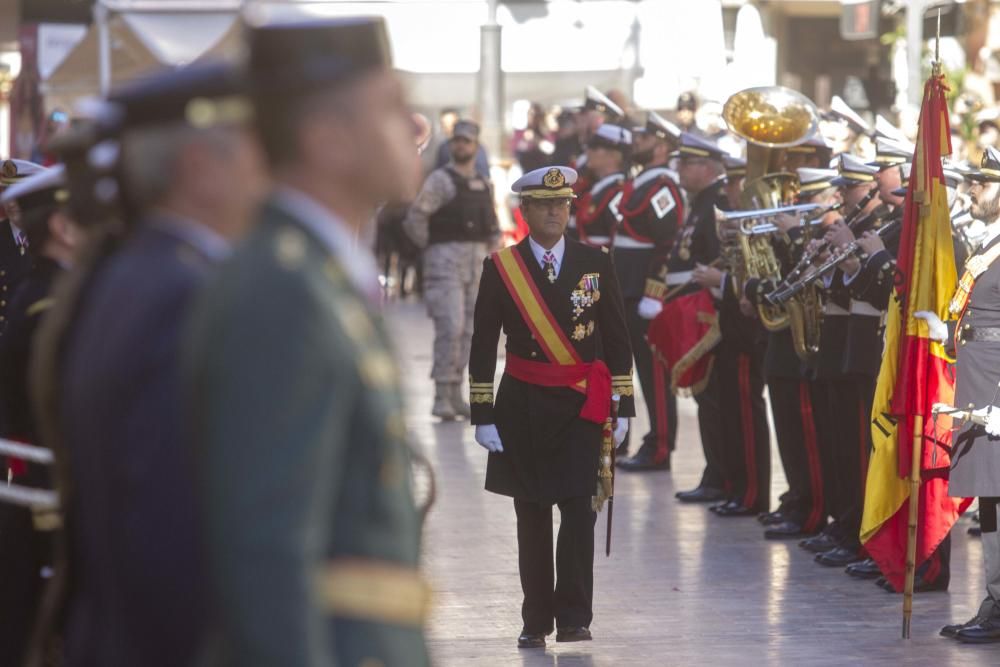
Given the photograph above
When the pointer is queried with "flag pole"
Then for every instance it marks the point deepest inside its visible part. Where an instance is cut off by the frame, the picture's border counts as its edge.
(916, 462)
(911, 535)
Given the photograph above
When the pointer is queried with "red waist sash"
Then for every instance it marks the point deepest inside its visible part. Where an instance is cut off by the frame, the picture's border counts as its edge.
(592, 379)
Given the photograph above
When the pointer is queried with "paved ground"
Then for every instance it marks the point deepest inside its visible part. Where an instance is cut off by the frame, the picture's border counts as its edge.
(682, 587)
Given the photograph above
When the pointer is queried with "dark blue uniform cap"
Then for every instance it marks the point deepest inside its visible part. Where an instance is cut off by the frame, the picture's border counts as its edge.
(201, 95)
(298, 57)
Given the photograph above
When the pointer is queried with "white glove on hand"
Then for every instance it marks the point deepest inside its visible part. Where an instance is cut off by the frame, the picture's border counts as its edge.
(489, 438)
(649, 307)
(992, 415)
(936, 329)
(621, 429)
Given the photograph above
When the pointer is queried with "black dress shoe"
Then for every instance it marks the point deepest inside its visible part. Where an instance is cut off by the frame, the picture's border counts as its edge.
(819, 544)
(621, 451)
(645, 459)
(975, 531)
(919, 585)
(734, 508)
(771, 518)
(531, 640)
(866, 569)
(987, 632)
(785, 531)
(839, 557)
(986, 610)
(573, 635)
(702, 494)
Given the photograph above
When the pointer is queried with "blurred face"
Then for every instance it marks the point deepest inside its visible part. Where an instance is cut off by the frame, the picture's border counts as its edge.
(226, 176)
(546, 218)
(734, 189)
(644, 147)
(696, 173)
(603, 161)
(853, 194)
(888, 180)
(364, 142)
(463, 150)
(985, 198)
(12, 212)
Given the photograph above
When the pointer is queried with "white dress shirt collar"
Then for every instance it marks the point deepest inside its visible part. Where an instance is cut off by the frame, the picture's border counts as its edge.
(341, 242)
(558, 250)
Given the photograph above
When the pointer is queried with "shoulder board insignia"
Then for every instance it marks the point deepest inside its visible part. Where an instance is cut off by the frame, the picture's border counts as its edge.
(604, 249)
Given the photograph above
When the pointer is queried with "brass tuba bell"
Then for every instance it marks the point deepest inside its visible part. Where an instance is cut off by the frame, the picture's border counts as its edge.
(771, 119)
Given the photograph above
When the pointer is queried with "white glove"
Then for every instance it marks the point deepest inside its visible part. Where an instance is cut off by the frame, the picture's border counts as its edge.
(621, 429)
(936, 329)
(992, 415)
(488, 437)
(649, 307)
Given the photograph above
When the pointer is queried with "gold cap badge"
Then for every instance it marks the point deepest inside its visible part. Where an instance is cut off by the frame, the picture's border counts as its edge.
(554, 178)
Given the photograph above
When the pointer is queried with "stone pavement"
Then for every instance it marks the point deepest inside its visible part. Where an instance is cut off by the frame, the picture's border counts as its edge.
(682, 586)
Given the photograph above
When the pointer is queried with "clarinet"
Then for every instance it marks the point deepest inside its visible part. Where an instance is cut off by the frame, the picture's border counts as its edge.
(810, 255)
(782, 295)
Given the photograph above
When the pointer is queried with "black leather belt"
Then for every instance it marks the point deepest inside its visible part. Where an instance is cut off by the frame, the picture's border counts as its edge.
(980, 334)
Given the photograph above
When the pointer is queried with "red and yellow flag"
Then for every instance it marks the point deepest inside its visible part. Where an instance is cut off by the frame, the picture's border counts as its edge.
(915, 371)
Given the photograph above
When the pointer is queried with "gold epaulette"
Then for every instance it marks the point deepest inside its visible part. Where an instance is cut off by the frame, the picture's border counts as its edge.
(40, 306)
(480, 392)
(622, 385)
(376, 591)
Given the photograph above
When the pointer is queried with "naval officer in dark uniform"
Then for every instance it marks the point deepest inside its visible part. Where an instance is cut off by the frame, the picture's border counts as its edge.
(191, 176)
(313, 532)
(26, 534)
(559, 303)
(15, 262)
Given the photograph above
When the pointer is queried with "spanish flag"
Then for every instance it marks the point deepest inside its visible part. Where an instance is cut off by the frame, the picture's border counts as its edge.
(915, 371)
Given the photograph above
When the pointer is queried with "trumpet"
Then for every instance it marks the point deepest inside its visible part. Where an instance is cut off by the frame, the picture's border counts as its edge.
(757, 214)
(809, 256)
(786, 292)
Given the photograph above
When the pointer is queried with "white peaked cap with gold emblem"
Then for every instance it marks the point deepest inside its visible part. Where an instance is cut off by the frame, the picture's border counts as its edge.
(546, 183)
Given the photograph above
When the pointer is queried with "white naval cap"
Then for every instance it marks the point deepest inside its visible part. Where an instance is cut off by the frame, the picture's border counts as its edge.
(610, 136)
(840, 109)
(13, 170)
(853, 171)
(546, 183)
(883, 128)
(814, 180)
(47, 186)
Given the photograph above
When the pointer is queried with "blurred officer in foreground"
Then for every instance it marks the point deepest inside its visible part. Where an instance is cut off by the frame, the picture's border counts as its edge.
(191, 175)
(454, 220)
(561, 307)
(14, 258)
(25, 534)
(312, 529)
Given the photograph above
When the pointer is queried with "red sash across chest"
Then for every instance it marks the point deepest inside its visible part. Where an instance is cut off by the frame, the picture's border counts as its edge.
(564, 368)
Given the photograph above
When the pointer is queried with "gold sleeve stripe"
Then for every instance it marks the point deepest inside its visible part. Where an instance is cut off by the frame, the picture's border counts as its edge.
(481, 399)
(655, 289)
(375, 591)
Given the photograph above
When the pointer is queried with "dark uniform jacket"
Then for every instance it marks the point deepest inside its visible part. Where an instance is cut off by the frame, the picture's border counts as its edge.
(312, 529)
(138, 593)
(598, 211)
(697, 241)
(14, 267)
(550, 454)
(24, 542)
(652, 212)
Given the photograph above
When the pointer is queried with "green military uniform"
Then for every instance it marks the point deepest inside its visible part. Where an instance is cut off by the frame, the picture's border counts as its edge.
(313, 534)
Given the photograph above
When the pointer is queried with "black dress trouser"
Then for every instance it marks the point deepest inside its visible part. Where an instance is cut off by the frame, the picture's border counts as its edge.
(747, 456)
(567, 593)
(710, 426)
(654, 378)
(795, 430)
